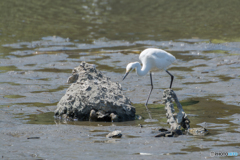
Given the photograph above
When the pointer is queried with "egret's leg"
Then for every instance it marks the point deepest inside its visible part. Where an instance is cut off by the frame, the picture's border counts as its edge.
(149, 95)
(172, 77)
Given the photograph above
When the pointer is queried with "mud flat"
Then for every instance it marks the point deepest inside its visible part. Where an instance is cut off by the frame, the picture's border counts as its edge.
(85, 141)
(33, 84)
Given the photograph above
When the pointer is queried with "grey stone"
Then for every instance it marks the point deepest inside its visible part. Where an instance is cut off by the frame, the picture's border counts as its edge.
(198, 131)
(92, 96)
(115, 134)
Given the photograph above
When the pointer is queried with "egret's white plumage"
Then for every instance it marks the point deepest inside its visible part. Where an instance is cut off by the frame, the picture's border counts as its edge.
(156, 58)
(151, 59)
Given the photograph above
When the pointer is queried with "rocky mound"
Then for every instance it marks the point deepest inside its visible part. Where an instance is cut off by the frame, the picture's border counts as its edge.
(92, 96)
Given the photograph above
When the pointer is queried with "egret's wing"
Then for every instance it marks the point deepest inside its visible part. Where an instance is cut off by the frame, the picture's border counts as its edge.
(163, 59)
(148, 54)
(156, 58)
(164, 56)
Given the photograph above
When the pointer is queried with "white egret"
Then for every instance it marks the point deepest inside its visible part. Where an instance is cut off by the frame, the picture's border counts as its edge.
(151, 58)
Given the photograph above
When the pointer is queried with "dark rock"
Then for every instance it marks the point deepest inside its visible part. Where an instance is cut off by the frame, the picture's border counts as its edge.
(92, 96)
(185, 123)
(93, 115)
(162, 130)
(177, 132)
(165, 133)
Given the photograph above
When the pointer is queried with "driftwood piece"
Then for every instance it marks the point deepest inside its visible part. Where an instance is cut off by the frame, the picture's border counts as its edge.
(175, 120)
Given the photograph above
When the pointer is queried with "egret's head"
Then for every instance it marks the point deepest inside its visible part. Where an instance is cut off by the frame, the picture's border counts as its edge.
(129, 68)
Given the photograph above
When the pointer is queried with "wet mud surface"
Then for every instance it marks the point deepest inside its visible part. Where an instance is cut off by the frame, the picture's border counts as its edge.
(33, 83)
(24, 139)
(42, 44)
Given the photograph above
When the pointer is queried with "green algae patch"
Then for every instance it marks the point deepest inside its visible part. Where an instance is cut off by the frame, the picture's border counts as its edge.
(13, 96)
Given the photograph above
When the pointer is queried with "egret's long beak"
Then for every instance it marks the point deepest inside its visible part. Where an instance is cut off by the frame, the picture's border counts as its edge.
(126, 74)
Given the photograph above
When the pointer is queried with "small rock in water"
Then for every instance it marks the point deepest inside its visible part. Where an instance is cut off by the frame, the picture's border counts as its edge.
(198, 131)
(138, 117)
(114, 134)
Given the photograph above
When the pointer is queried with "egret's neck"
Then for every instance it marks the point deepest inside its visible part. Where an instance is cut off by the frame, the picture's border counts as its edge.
(141, 70)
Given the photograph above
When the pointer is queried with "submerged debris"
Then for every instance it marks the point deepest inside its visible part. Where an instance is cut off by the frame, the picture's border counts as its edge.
(33, 138)
(175, 120)
(94, 97)
(166, 133)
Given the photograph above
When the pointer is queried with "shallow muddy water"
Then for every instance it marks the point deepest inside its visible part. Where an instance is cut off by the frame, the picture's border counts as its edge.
(42, 41)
